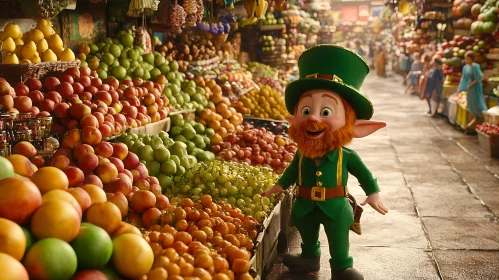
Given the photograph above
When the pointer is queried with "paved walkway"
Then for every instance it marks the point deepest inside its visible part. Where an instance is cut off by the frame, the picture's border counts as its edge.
(441, 191)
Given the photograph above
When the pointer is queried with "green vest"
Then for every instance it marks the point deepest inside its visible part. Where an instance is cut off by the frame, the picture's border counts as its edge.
(326, 174)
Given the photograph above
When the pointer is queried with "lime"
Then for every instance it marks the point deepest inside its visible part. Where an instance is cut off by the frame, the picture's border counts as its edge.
(127, 40)
(125, 63)
(115, 50)
(93, 247)
(102, 74)
(119, 72)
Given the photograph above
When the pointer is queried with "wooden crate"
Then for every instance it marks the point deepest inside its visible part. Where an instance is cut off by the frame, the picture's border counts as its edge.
(489, 144)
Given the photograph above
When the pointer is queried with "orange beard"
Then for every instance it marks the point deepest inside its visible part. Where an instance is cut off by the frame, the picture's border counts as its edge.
(330, 140)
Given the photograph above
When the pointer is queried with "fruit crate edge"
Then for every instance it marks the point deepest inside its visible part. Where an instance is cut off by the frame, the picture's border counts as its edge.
(489, 144)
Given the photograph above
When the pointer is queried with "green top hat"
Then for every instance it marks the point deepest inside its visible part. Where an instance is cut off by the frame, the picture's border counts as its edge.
(333, 68)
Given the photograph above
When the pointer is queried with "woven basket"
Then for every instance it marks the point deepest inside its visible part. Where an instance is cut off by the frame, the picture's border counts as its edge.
(14, 73)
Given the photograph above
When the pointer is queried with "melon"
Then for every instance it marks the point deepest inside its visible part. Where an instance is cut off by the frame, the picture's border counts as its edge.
(488, 27)
(476, 28)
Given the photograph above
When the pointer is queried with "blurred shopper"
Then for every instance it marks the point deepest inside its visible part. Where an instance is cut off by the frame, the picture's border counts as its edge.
(434, 86)
(359, 49)
(380, 61)
(372, 44)
(471, 82)
(423, 79)
(412, 77)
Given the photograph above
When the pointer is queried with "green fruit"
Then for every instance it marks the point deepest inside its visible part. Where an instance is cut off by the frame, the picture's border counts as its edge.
(188, 132)
(146, 153)
(116, 63)
(102, 74)
(147, 75)
(207, 140)
(50, 258)
(176, 130)
(170, 76)
(127, 40)
(185, 162)
(108, 58)
(177, 120)
(162, 154)
(115, 50)
(140, 50)
(199, 128)
(136, 147)
(138, 72)
(133, 55)
(110, 272)
(190, 147)
(209, 131)
(155, 72)
(165, 181)
(163, 135)
(103, 66)
(198, 140)
(125, 63)
(83, 64)
(93, 247)
(176, 158)
(156, 143)
(6, 168)
(159, 60)
(174, 65)
(164, 68)
(93, 48)
(149, 58)
(119, 72)
(30, 240)
(180, 138)
(147, 140)
(169, 167)
(180, 170)
(153, 167)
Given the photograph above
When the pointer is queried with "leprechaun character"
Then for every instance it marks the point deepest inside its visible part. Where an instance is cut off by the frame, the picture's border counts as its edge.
(328, 111)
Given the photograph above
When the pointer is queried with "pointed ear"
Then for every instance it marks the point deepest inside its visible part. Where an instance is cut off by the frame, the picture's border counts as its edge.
(364, 128)
(289, 118)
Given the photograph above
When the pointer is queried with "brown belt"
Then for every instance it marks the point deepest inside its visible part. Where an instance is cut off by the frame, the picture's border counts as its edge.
(321, 193)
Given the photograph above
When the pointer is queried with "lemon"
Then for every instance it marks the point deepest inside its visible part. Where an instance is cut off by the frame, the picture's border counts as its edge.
(13, 30)
(42, 46)
(48, 55)
(28, 50)
(10, 59)
(67, 55)
(8, 45)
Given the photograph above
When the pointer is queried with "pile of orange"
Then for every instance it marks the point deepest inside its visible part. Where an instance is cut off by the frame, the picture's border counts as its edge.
(220, 115)
(205, 239)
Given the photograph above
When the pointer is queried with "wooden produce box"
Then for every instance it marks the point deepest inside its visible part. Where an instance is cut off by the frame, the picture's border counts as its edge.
(489, 144)
(187, 114)
(265, 252)
(14, 73)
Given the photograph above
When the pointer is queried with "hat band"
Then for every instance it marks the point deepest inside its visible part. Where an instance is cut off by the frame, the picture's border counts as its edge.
(325, 76)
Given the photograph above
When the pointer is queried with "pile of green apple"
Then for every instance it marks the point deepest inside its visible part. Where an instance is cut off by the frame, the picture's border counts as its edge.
(118, 57)
(236, 183)
(268, 43)
(270, 19)
(194, 135)
(186, 95)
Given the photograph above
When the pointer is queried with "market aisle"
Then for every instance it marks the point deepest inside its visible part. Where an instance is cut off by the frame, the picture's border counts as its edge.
(441, 191)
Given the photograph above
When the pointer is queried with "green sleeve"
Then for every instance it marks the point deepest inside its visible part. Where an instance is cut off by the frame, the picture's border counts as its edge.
(290, 175)
(358, 169)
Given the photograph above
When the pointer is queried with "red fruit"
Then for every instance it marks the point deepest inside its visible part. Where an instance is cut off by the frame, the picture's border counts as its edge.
(104, 149)
(36, 96)
(105, 97)
(89, 120)
(23, 104)
(65, 89)
(21, 89)
(61, 110)
(91, 135)
(118, 163)
(54, 96)
(85, 71)
(94, 180)
(73, 72)
(96, 82)
(88, 162)
(47, 105)
(79, 110)
(75, 176)
(33, 84)
(131, 161)
(66, 78)
(51, 83)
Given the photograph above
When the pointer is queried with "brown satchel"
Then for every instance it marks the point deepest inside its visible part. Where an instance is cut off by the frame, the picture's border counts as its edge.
(357, 209)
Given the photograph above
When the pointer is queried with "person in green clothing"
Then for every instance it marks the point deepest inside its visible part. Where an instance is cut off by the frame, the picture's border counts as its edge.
(327, 112)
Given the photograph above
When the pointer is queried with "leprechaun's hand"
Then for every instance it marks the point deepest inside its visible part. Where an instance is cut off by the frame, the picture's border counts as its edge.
(375, 201)
(275, 189)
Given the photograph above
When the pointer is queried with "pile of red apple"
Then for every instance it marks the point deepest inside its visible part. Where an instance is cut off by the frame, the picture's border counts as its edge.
(79, 99)
(257, 146)
(488, 128)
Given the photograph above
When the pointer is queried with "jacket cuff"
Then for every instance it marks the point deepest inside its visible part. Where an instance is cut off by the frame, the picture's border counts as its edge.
(370, 186)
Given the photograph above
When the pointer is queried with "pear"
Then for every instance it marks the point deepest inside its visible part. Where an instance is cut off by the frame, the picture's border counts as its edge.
(45, 26)
(9, 45)
(19, 42)
(35, 35)
(55, 42)
(36, 58)
(48, 55)
(42, 46)
(28, 50)
(13, 30)
(25, 61)
(10, 59)
(67, 55)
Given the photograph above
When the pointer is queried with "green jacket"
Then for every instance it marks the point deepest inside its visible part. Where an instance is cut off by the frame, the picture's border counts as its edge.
(326, 173)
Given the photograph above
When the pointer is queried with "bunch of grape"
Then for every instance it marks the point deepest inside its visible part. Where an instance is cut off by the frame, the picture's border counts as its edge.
(236, 183)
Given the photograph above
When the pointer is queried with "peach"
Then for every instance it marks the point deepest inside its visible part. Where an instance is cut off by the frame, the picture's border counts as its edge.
(72, 139)
(128, 173)
(36, 96)
(64, 196)
(19, 198)
(75, 176)
(150, 217)
(119, 200)
(78, 88)
(62, 162)
(99, 116)
(61, 110)
(162, 202)
(51, 83)
(107, 172)
(124, 176)
(34, 110)
(155, 189)
(142, 184)
(33, 84)
(47, 105)
(64, 152)
(81, 196)
(105, 130)
(105, 97)
(91, 135)
(38, 161)
(79, 110)
(23, 104)
(142, 200)
(22, 165)
(118, 163)
(54, 96)
(104, 149)
(105, 215)
(120, 150)
(50, 178)
(96, 194)
(6, 102)
(94, 180)
(103, 160)
(89, 120)
(24, 148)
(83, 149)
(119, 185)
(88, 162)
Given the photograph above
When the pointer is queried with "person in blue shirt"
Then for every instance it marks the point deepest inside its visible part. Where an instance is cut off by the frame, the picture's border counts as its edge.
(471, 82)
(435, 84)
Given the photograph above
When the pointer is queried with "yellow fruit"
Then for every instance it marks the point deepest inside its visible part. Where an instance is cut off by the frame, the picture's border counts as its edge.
(42, 46)
(2, 35)
(25, 61)
(35, 35)
(67, 55)
(82, 57)
(48, 55)
(10, 59)
(13, 30)
(36, 59)
(55, 43)
(84, 49)
(9, 45)
(19, 42)
(45, 26)
(28, 50)
(12, 239)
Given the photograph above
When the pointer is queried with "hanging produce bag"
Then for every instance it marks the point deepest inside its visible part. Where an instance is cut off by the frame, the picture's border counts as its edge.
(43, 8)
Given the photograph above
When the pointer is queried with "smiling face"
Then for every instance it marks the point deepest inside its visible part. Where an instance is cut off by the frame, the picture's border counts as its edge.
(322, 122)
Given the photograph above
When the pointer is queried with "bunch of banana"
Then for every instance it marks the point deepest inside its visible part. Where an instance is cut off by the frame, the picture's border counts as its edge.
(250, 7)
(261, 8)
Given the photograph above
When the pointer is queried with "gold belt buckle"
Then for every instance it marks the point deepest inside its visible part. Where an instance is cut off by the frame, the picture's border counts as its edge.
(318, 194)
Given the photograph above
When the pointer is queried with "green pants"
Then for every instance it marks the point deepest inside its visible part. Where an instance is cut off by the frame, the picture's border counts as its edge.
(337, 232)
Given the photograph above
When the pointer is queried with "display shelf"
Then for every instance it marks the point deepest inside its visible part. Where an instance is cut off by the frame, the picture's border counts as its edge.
(272, 27)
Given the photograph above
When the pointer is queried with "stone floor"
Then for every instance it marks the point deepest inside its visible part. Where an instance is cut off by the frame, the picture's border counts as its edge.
(442, 193)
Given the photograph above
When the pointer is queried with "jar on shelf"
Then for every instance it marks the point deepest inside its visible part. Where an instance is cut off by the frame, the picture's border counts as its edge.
(4, 149)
